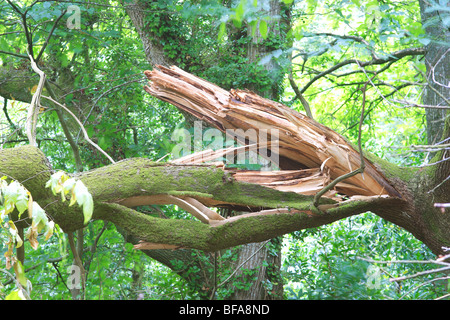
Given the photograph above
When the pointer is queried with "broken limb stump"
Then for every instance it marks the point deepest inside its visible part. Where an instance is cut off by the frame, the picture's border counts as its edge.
(310, 154)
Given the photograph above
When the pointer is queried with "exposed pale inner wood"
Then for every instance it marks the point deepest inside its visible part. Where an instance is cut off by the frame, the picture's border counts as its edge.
(318, 154)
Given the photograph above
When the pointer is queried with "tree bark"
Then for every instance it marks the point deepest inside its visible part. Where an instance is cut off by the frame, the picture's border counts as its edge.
(153, 48)
(437, 62)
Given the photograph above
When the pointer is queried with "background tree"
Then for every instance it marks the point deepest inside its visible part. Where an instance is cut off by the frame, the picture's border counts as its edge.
(234, 45)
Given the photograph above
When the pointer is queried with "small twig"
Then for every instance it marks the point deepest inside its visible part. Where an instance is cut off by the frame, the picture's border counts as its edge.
(354, 172)
(300, 96)
(440, 184)
(442, 205)
(239, 266)
(86, 136)
(425, 283)
(50, 35)
(419, 274)
(215, 276)
(418, 105)
(55, 265)
(434, 67)
(33, 109)
(28, 36)
(438, 261)
(15, 54)
(77, 259)
(5, 111)
(395, 56)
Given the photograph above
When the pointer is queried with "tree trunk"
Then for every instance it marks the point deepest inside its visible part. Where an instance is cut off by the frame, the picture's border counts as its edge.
(153, 48)
(258, 257)
(437, 62)
(259, 272)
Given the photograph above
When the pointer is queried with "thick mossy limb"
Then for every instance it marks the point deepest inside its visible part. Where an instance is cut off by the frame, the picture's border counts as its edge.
(29, 166)
(197, 235)
(183, 233)
(141, 177)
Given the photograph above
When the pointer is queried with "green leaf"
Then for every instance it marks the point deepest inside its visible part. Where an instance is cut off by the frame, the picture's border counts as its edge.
(56, 181)
(39, 218)
(237, 23)
(240, 11)
(263, 28)
(222, 32)
(20, 273)
(15, 295)
(84, 199)
(15, 195)
(64, 60)
(15, 234)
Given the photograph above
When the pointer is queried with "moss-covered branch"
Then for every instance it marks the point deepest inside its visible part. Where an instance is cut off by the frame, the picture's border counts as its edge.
(112, 185)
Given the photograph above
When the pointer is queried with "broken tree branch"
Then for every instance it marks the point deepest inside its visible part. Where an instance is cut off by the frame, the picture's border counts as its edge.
(303, 143)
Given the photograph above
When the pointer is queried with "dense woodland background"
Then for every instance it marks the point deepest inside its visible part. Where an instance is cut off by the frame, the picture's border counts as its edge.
(323, 52)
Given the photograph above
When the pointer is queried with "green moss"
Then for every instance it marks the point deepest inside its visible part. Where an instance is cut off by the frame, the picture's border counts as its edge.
(391, 170)
(185, 233)
(259, 196)
(190, 194)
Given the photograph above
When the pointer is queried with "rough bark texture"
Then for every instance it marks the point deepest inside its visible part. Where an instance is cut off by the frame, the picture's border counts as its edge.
(153, 49)
(437, 62)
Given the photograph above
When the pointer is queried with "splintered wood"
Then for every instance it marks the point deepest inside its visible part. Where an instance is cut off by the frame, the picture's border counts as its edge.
(310, 155)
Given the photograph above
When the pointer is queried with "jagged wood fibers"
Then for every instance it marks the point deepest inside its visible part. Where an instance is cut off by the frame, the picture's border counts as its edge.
(310, 154)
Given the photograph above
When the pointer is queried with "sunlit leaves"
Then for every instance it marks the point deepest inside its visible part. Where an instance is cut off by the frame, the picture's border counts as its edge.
(263, 28)
(222, 31)
(249, 12)
(84, 199)
(56, 182)
(14, 197)
(20, 274)
(61, 183)
(14, 234)
(16, 294)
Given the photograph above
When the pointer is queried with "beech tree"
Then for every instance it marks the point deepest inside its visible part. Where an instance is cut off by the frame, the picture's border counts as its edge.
(321, 176)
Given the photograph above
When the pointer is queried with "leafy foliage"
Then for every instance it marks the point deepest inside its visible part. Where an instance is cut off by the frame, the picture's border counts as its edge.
(328, 262)
(15, 200)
